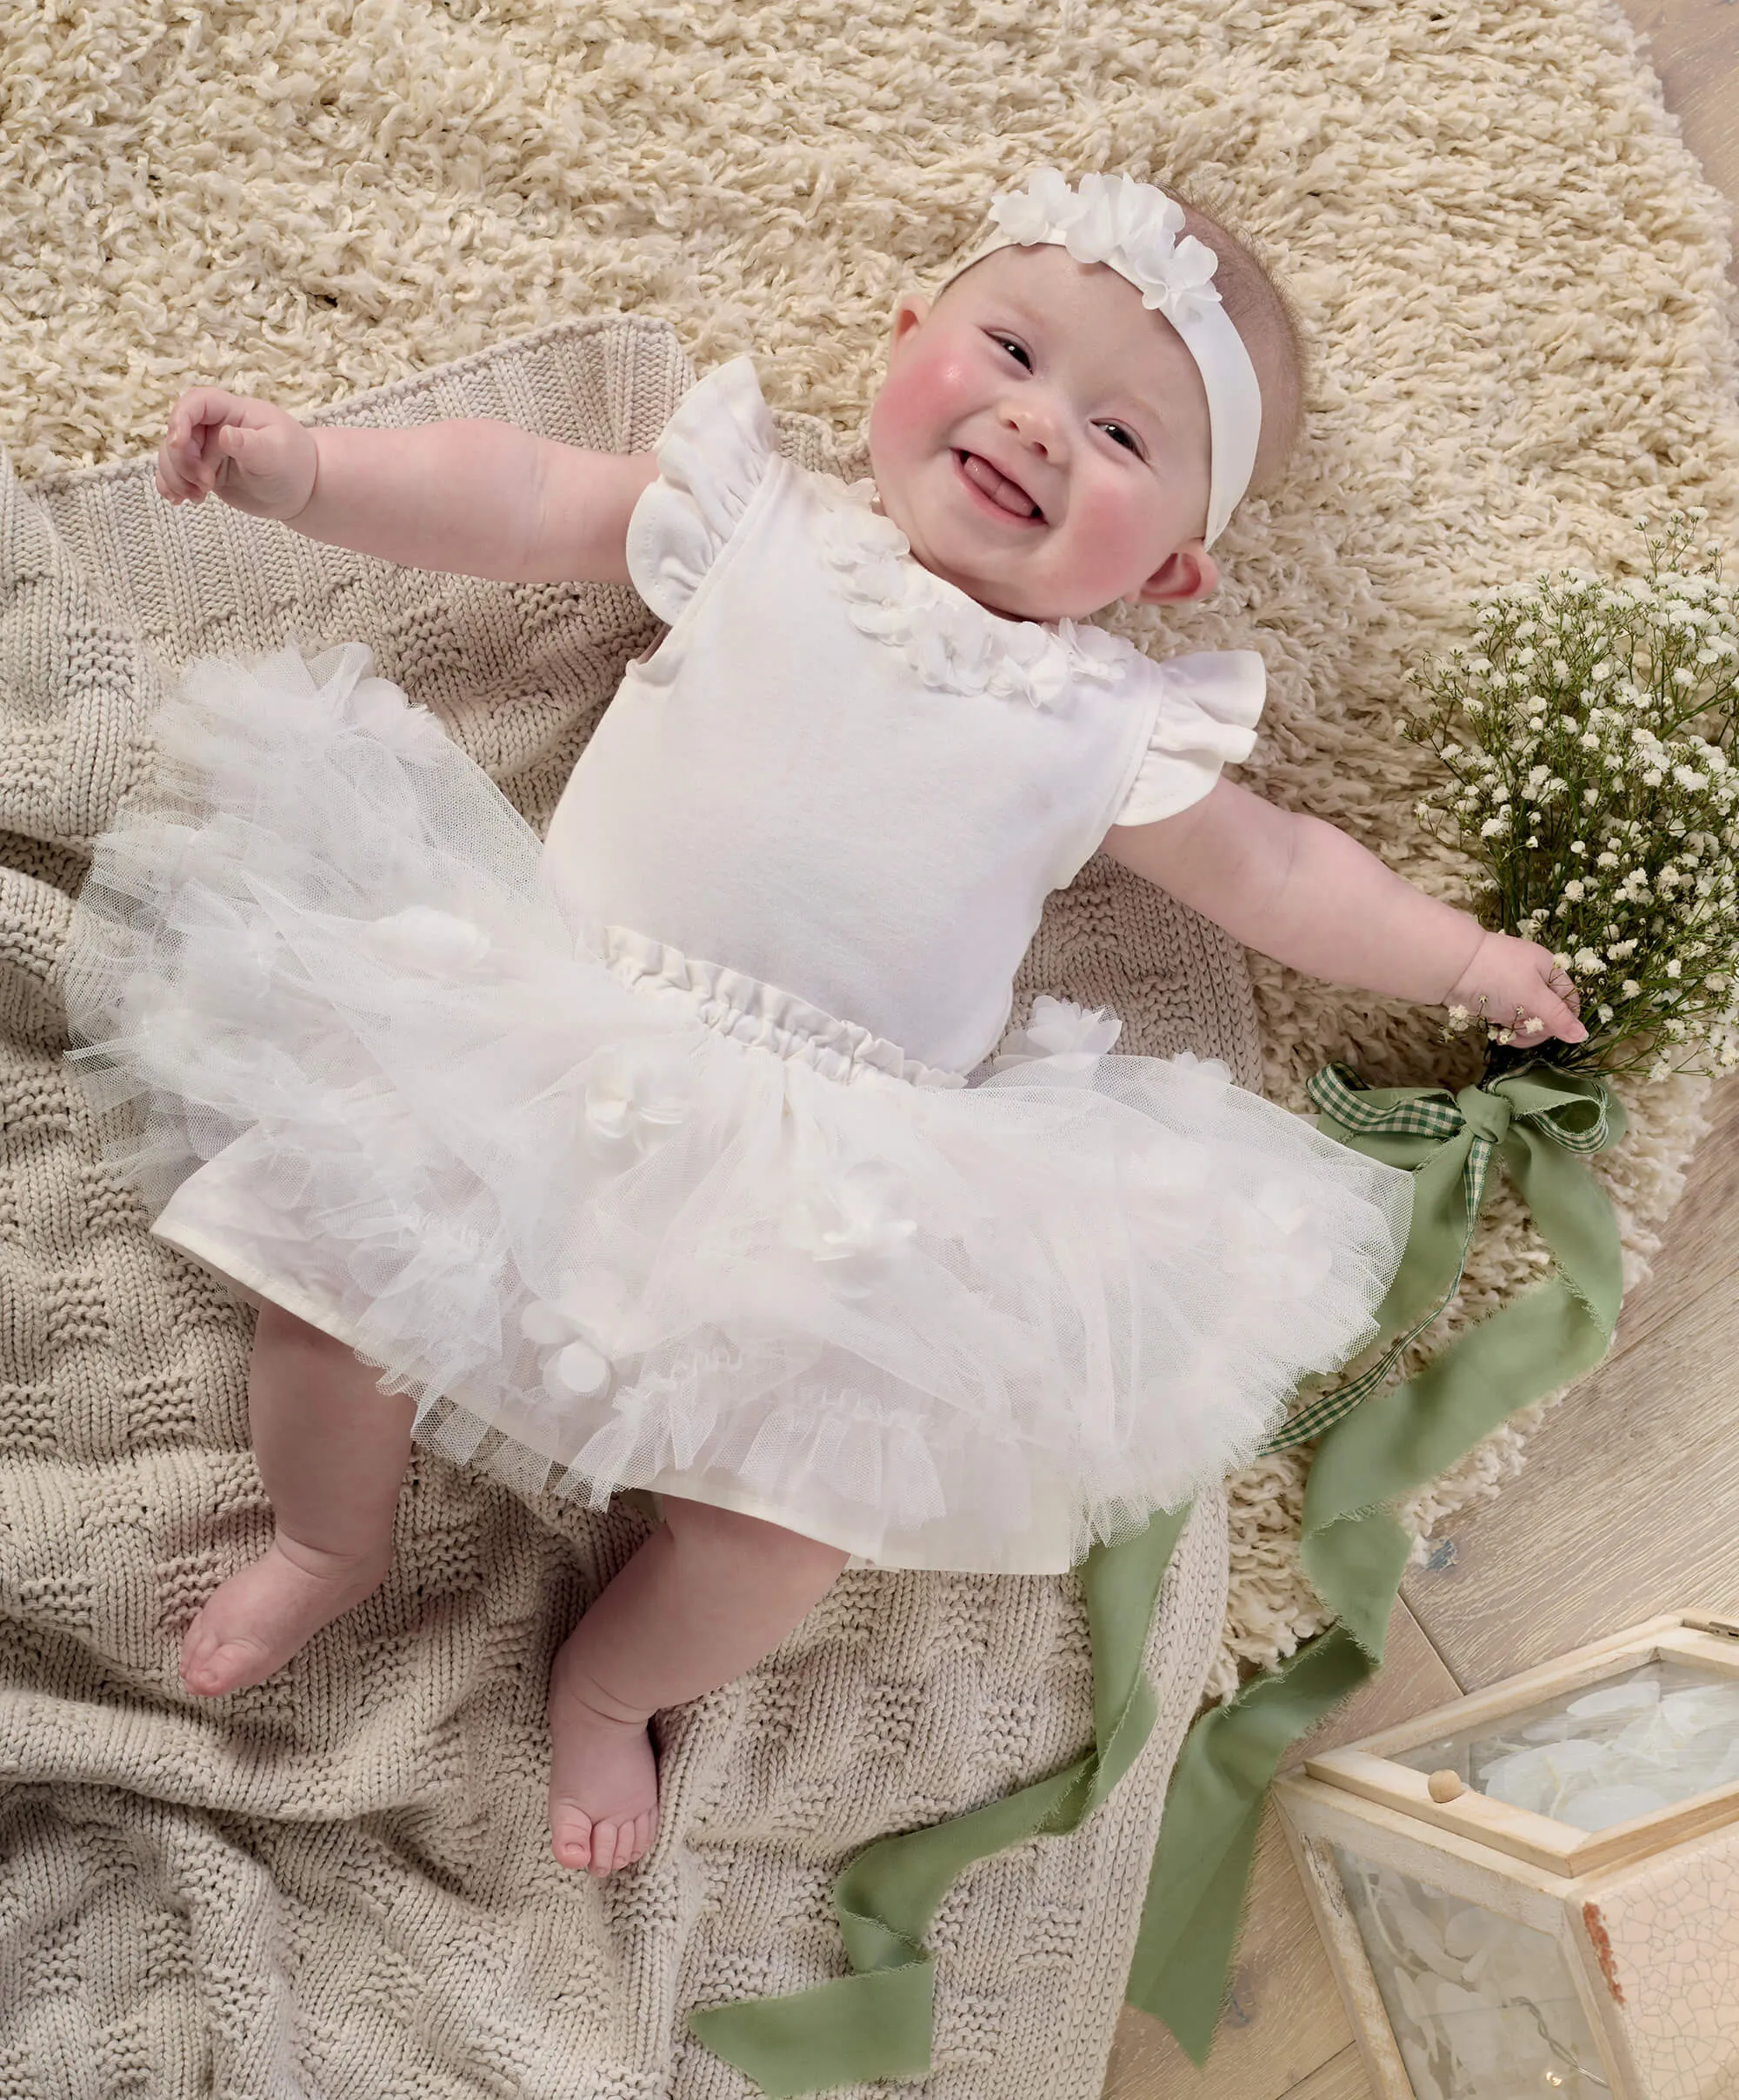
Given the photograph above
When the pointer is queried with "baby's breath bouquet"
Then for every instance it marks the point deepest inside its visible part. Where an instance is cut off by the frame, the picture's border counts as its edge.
(1588, 740)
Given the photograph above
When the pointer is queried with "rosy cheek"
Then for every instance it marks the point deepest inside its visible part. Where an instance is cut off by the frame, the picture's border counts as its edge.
(894, 419)
(1102, 513)
(924, 391)
(1112, 524)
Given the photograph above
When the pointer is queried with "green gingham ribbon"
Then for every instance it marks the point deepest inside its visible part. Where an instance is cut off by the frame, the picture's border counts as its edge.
(875, 2023)
(1360, 1111)
(1541, 1122)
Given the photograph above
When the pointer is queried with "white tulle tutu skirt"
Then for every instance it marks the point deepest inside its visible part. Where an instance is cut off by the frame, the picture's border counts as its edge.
(616, 1216)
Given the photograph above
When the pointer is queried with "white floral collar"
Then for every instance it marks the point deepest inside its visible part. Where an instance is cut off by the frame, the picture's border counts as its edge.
(951, 641)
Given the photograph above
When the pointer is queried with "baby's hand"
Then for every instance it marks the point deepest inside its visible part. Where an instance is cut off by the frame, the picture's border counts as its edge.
(1516, 979)
(257, 457)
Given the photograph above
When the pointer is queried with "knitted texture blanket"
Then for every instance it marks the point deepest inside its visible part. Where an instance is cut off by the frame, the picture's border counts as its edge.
(339, 1883)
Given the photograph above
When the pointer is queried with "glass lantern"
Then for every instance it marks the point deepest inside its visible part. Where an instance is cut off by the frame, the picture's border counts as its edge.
(1535, 1891)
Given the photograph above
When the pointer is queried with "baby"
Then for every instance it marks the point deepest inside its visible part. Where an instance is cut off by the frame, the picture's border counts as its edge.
(850, 1304)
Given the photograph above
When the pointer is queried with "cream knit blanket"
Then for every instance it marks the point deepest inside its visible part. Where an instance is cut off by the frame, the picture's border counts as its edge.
(340, 1883)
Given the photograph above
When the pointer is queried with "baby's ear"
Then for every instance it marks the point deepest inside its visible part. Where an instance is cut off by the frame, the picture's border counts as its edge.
(908, 315)
(1190, 572)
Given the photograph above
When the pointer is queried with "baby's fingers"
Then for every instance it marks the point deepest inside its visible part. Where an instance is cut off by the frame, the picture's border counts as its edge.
(182, 473)
(173, 481)
(189, 455)
(1563, 1015)
(1545, 1017)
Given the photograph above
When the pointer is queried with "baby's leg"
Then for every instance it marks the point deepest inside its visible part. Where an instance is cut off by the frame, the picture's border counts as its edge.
(706, 1596)
(331, 1449)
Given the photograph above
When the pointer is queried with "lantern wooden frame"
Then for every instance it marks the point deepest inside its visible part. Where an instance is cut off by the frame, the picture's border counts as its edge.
(1568, 1883)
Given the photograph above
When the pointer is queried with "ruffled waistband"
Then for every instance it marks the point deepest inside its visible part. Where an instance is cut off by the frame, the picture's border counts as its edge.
(744, 1007)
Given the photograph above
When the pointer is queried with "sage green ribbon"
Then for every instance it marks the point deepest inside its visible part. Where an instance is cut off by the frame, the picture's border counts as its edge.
(876, 2023)
(1374, 1453)
(1418, 1112)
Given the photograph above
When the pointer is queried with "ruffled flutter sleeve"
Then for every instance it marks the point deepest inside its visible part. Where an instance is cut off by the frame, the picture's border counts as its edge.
(1209, 705)
(713, 454)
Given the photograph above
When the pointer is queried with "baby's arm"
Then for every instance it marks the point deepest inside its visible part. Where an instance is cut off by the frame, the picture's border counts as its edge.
(1302, 891)
(469, 498)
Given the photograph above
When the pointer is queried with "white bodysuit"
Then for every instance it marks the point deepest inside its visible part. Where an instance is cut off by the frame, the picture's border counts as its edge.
(838, 771)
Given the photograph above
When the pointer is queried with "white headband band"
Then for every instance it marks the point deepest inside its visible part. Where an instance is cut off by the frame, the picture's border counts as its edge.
(1132, 228)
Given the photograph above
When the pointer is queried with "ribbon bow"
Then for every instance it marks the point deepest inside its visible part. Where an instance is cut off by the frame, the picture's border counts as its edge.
(1460, 1133)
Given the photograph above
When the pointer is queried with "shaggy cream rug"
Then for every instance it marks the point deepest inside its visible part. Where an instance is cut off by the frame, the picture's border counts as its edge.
(1509, 275)
(1507, 269)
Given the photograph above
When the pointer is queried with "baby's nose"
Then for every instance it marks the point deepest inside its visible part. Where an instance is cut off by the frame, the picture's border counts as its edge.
(1036, 422)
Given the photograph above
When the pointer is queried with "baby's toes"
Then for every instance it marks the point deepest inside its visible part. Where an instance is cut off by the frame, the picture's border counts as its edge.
(575, 1839)
(636, 1840)
(610, 1842)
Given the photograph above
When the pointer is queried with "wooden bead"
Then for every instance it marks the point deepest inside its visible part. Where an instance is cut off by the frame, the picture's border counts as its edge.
(1445, 1785)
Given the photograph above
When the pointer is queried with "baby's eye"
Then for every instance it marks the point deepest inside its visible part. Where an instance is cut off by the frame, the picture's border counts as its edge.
(1123, 437)
(1008, 342)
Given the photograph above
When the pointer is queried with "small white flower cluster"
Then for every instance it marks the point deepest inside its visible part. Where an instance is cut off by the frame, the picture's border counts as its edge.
(1588, 739)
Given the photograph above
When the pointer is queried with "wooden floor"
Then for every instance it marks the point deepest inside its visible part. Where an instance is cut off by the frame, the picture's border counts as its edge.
(1628, 1504)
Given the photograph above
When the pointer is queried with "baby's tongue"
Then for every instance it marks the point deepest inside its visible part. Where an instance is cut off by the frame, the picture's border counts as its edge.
(998, 486)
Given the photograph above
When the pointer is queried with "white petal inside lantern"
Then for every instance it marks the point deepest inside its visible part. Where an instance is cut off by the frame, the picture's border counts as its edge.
(1659, 1734)
(1481, 2007)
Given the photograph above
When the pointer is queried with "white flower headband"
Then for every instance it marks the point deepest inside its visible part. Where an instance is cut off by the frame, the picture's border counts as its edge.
(1133, 228)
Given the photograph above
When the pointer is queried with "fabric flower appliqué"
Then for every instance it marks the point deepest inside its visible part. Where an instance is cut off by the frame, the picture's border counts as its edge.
(635, 1097)
(1113, 216)
(1173, 1182)
(579, 1330)
(1271, 1233)
(408, 728)
(1066, 1039)
(346, 696)
(1200, 1082)
(857, 1223)
(949, 639)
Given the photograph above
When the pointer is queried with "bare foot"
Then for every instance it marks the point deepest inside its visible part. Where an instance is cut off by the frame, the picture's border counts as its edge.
(604, 1778)
(252, 1624)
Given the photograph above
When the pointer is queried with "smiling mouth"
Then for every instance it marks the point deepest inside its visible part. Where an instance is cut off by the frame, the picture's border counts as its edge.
(1002, 493)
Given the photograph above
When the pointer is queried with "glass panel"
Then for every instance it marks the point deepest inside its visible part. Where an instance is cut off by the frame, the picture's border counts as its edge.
(1481, 2007)
(1636, 1742)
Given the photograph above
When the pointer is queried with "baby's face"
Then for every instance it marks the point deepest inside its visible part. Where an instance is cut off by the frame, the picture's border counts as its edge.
(1041, 438)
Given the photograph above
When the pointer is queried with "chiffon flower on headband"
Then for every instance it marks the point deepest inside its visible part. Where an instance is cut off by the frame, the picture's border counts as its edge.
(1113, 219)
